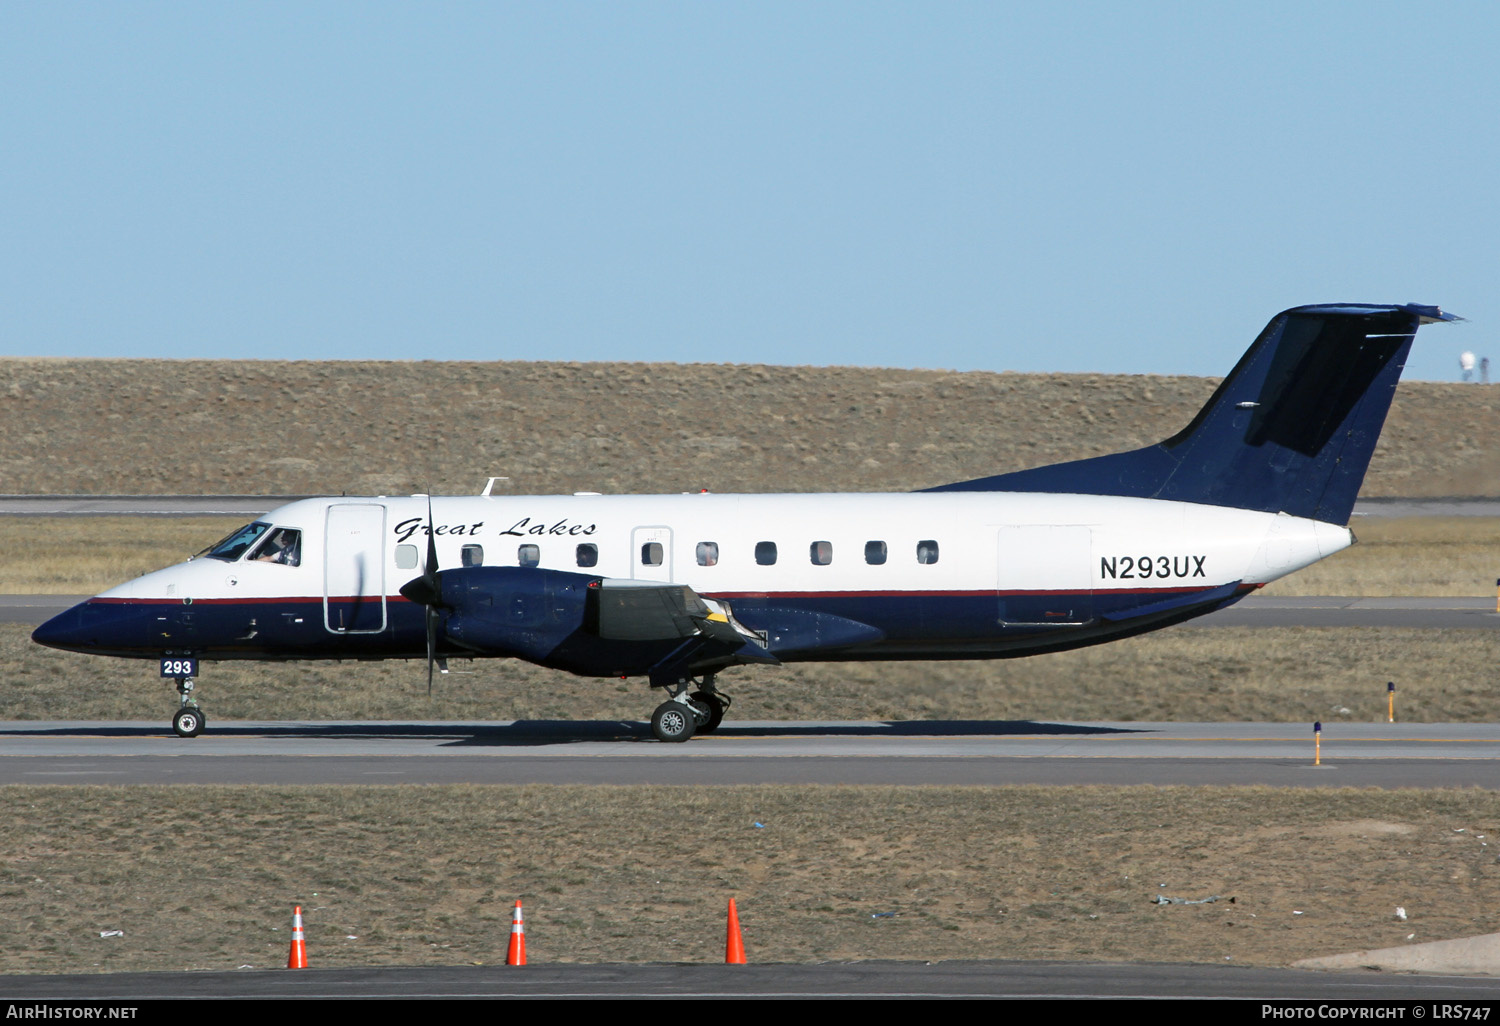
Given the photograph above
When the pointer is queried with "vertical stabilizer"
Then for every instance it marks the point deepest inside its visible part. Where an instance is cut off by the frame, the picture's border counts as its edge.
(1291, 429)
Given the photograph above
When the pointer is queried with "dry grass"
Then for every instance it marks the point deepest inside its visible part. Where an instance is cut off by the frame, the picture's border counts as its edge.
(1191, 674)
(269, 427)
(85, 555)
(205, 877)
(1407, 556)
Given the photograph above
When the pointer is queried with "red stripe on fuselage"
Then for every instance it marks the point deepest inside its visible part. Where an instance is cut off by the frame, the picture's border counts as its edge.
(981, 593)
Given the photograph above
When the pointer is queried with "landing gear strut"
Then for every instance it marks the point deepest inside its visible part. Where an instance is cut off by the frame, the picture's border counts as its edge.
(188, 721)
(684, 715)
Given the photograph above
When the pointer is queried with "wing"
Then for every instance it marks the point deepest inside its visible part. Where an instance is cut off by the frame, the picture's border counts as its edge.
(598, 626)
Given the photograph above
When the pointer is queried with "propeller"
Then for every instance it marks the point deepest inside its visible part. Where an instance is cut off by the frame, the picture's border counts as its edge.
(428, 590)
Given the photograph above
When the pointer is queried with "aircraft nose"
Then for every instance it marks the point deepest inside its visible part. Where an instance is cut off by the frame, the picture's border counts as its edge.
(67, 630)
(92, 626)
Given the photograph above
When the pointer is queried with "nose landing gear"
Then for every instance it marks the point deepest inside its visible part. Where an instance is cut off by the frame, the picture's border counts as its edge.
(189, 720)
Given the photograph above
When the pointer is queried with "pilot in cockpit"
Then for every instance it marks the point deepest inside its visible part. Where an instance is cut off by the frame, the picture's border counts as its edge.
(283, 546)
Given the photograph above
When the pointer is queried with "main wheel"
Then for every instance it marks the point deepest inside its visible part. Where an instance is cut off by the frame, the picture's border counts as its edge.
(673, 721)
(188, 721)
(715, 706)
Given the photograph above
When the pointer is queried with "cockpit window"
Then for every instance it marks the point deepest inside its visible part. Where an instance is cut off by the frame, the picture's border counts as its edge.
(236, 544)
(283, 545)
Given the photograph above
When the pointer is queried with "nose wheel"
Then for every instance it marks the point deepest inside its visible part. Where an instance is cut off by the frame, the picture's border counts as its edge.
(189, 720)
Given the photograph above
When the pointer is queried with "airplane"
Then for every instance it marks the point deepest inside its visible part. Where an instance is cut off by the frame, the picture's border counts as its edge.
(679, 588)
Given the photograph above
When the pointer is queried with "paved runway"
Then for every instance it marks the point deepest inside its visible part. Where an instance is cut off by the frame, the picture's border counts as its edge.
(907, 752)
(1442, 507)
(33, 609)
(1346, 611)
(1079, 980)
(141, 505)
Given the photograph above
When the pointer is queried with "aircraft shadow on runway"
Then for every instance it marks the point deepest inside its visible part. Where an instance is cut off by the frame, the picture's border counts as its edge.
(531, 733)
(548, 732)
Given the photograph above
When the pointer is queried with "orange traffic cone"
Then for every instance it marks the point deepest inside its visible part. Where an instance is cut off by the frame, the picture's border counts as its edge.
(734, 946)
(516, 954)
(298, 957)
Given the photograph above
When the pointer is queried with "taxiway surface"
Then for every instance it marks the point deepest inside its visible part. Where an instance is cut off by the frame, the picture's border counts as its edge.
(985, 753)
(893, 980)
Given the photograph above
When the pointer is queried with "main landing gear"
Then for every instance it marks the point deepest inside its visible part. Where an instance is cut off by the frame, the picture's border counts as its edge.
(683, 715)
(189, 720)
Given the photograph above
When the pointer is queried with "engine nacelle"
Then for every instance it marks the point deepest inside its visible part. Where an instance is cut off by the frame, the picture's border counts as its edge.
(521, 611)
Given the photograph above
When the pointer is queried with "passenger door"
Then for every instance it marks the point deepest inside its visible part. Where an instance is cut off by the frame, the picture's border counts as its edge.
(354, 568)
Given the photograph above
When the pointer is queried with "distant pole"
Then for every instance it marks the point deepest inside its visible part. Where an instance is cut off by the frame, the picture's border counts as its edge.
(1318, 743)
(1390, 702)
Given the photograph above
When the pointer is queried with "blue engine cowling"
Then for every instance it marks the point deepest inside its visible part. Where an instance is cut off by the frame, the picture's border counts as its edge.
(520, 611)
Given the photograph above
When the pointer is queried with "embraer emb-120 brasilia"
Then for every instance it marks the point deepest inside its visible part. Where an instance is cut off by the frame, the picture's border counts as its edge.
(677, 588)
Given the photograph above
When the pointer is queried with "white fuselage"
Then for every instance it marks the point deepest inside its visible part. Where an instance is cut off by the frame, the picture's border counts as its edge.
(825, 544)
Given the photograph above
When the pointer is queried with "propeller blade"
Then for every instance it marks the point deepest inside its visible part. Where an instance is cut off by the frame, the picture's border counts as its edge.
(430, 571)
(434, 589)
(427, 590)
(431, 645)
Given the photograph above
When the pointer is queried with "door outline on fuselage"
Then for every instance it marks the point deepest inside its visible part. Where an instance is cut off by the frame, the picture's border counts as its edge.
(1045, 575)
(639, 569)
(354, 568)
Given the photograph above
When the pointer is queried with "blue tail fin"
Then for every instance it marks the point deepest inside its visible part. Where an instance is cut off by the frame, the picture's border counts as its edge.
(1291, 429)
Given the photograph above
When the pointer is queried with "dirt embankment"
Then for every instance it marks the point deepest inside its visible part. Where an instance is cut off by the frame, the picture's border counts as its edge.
(267, 427)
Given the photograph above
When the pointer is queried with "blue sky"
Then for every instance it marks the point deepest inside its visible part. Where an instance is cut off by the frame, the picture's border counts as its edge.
(1036, 187)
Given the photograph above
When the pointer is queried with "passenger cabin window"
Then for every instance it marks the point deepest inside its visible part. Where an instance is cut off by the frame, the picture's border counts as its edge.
(406, 557)
(471, 555)
(875, 553)
(282, 546)
(588, 554)
(652, 554)
(708, 553)
(821, 553)
(238, 543)
(765, 553)
(528, 555)
(927, 551)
